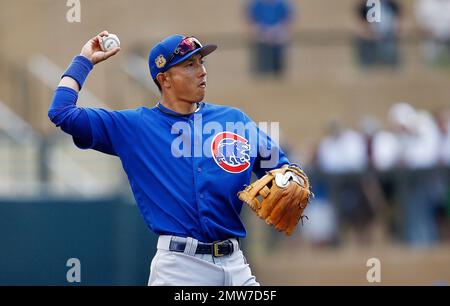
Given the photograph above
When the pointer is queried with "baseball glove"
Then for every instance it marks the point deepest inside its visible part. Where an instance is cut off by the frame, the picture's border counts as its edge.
(284, 194)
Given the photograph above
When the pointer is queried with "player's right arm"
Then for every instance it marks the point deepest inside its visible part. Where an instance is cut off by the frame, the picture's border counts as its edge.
(93, 52)
(63, 111)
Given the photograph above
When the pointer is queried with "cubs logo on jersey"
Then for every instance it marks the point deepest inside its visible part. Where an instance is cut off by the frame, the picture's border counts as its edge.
(231, 152)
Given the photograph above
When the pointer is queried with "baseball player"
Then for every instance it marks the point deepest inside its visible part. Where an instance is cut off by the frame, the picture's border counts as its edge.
(184, 165)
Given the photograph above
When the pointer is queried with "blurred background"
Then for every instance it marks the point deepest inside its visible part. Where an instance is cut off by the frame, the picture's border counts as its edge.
(363, 106)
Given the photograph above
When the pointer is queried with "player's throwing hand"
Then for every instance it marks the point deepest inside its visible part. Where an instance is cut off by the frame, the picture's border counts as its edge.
(93, 51)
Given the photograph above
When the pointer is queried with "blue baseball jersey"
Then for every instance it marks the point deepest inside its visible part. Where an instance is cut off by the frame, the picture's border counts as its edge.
(184, 170)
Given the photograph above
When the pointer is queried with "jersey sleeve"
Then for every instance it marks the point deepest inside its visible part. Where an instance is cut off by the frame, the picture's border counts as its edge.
(106, 131)
(112, 132)
(268, 154)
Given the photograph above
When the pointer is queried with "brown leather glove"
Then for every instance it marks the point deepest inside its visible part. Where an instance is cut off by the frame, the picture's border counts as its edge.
(284, 193)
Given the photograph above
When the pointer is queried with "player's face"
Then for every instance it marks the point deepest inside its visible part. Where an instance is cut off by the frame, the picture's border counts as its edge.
(188, 79)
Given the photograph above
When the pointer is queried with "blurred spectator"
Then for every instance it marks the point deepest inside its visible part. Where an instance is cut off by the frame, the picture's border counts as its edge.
(433, 16)
(270, 26)
(383, 147)
(419, 142)
(385, 151)
(418, 135)
(377, 42)
(342, 151)
(340, 155)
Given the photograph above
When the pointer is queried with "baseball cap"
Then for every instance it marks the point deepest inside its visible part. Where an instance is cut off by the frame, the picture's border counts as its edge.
(173, 50)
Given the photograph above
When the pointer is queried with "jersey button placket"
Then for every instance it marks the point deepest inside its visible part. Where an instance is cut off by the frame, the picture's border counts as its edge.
(197, 142)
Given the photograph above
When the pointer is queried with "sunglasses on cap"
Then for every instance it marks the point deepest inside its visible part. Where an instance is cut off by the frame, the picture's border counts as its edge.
(187, 45)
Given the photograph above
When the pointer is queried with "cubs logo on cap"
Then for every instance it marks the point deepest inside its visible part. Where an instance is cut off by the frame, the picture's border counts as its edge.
(160, 61)
(231, 152)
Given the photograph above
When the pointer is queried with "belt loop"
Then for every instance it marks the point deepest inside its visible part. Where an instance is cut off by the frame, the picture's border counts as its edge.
(235, 245)
(191, 246)
(164, 242)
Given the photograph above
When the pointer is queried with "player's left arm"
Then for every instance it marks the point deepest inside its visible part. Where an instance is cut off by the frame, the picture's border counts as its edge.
(269, 154)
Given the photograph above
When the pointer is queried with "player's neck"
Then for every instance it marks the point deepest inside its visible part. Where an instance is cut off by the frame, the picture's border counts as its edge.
(180, 107)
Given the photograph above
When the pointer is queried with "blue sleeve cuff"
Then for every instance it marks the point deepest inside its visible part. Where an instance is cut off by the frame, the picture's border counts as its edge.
(70, 91)
(79, 69)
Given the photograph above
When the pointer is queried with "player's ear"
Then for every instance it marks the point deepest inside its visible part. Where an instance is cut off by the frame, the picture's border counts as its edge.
(163, 79)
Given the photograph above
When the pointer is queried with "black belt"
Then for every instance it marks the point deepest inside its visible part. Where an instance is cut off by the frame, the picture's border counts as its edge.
(216, 249)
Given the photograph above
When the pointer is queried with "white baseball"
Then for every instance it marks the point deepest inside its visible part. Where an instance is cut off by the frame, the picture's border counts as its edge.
(110, 42)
